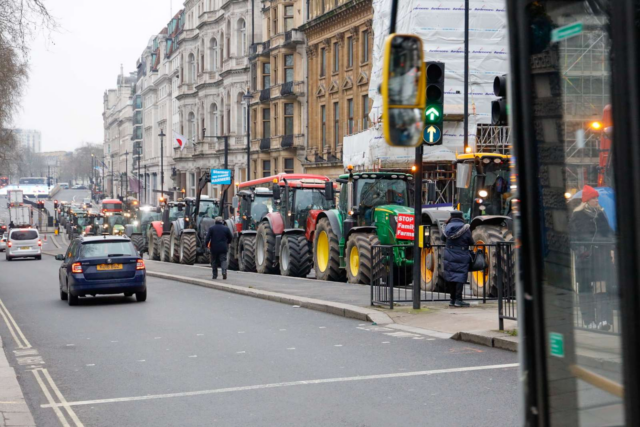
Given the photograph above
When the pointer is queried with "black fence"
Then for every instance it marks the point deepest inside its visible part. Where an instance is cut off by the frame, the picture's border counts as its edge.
(392, 281)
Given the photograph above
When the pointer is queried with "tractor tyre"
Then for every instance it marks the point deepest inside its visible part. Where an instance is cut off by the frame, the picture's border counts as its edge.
(247, 254)
(138, 242)
(296, 258)
(165, 244)
(174, 246)
(187, 254)
(232, 255)
(154, 245)
(359, 257)
(432, 264)
(490, 235)
(326, 253)
(266, 260)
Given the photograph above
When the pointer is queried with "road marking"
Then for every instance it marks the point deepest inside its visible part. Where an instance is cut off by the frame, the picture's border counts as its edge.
(287, 384)
(15, 330)
(386, 342)
(338, 345)
(195, 355)
(142, 360)
(62, 399)
(91, 364)
(241, 352)
(47, 394)
(291, 348)
(322, 327)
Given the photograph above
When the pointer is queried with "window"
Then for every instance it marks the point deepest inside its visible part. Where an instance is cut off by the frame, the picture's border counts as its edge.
(213, 54)
(192, 127)
(242, 38)
(323, 111)
(288, 118)
(350, 120)
(192, 68)
(365, 46)
(266, 123)
(214, 119)
(274, 28)
(266, 168)
(266, 75)
(323, 61)
(221, 48)
(288, 68)
(288, 165)
(288, 18)
(336, 123)
(350, 52)
(336, 58)
(254, 77)
(365, 112)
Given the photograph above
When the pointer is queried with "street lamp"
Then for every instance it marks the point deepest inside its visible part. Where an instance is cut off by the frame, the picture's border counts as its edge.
(126, 174)
(162, 135)
(247, 98)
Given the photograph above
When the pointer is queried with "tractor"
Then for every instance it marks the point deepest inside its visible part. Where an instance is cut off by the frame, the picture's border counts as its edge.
(158, 233)
(94, 224)
(373, 209)
(138, 229)
(484, 196)
(281, 242)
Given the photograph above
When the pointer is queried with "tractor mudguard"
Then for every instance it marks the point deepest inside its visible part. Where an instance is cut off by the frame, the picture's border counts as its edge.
(157, 226)
(293, 231)
(434, 216)
(248, 232)
(333, 220)
(501, 220)
(362, 229)
(276, 222)
(312, 220)
(188, 231)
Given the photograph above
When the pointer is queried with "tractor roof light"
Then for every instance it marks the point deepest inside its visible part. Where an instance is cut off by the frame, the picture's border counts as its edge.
(467, 150)
(350, 167)
(595, 125)
(567, 195)
(483, 193)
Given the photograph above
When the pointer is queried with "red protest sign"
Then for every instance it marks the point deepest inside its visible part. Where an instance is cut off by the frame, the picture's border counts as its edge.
(405, 227)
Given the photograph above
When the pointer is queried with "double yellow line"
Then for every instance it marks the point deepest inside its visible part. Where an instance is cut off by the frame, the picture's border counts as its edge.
(16, 332)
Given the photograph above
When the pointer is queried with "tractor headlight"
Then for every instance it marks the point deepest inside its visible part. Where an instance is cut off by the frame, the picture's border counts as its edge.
(136, 223)
(483, 193)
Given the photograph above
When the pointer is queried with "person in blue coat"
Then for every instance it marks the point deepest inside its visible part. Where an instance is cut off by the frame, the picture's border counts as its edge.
(457, 258)
(218, 239)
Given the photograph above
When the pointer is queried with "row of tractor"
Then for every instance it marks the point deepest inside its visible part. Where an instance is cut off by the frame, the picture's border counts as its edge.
(293, 224)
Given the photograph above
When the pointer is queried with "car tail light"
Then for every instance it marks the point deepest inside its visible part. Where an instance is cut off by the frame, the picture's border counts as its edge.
(9, 244)
(76, 267)
(140, 264)
(39, 242)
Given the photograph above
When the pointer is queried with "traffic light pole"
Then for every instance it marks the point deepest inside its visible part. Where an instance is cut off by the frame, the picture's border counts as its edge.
(466, 75)
(417, 203)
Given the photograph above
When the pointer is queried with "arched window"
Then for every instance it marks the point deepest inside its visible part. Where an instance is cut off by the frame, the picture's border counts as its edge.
(228, 114)
(213, 54)
(192, 68)
(228, 39)
(221, 48)
(213, 120)
(221, 115)
(241, 116)
(242, 38)
(192, 128)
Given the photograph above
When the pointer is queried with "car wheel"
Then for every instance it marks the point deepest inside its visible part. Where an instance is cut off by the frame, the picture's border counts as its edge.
(63, 295)
(8, 258)
(141, 296)
(72, 300)
(39, 257)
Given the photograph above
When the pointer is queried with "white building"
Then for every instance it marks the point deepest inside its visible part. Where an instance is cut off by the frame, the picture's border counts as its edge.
(29, 138)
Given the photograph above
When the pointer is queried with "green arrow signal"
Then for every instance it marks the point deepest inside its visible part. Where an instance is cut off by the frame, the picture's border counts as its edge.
(433, 113)
(431, 131)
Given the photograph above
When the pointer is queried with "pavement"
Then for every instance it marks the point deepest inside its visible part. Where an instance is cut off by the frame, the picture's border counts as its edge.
(193, 356)
(13, 406)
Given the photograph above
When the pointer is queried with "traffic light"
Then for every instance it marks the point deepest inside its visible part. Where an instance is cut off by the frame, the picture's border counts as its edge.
(55, 204)
(499, 106)
(434, 111)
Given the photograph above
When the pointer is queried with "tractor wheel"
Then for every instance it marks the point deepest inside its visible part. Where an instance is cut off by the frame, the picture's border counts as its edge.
(431, 264)
(359, 258)
(247, 254)
(187, 254)
(232, 255)
(154, 245)
(326, 254)
(204, 258)
(489, 235)
(165, 244)
(266, 261)
(296, 258)
(138, 242)
(174, 246)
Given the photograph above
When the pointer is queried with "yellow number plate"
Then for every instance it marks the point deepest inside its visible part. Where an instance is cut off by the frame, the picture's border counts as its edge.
(25, 248)
(102, 267)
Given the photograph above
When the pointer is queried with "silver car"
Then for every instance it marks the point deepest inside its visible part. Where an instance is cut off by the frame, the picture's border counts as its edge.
(23, 243)
(3, 242)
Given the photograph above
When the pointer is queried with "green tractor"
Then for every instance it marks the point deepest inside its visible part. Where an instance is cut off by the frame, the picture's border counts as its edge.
(138, 229)
(373, 209)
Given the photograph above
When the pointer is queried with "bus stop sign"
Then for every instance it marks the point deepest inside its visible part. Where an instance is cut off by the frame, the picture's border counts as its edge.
(220, 176)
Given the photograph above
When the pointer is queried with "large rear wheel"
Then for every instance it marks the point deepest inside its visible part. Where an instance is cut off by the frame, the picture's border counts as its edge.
(247, 255)
(431, 267)
(164, 249)
(174, 246)
(359, 255)
(154, 245)
(187, 254)
(296, 258)
(232, 255)
(266, 261)
(489, 235)
(138, 242)
(326, 254)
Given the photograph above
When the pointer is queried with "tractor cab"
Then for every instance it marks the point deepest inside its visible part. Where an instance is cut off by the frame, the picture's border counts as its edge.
(483, 182)
(253, 205)
(295, 198)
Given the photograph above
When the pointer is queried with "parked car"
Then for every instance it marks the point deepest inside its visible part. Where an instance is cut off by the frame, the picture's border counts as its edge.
(79, 187)
(3, 242)
(101, 265)
(23, 243)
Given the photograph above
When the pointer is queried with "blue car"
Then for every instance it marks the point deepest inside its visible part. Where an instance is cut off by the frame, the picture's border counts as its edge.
(101, 265)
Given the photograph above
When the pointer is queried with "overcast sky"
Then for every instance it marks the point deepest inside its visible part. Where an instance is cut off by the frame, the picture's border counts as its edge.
(71, 69)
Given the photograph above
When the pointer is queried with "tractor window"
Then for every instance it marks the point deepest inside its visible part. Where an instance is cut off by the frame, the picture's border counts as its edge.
(174, 213)
(306, 200)
(83, 221)
(208, 209)
(344, 194)
(378, 192)
(260, 207)
(116, 220)
(497, 187)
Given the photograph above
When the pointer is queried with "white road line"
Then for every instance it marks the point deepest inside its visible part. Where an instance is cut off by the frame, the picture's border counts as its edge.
(47, 394)
(287, 384)
(63, 401)
(9, 318)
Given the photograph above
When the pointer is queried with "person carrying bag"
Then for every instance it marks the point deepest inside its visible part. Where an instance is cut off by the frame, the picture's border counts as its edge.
(457, 257)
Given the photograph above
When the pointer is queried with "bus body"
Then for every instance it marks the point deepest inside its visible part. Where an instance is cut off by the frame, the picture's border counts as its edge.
(112, 206)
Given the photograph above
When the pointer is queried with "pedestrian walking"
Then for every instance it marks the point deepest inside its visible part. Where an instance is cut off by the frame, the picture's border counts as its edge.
(457, 258)
(218, 239)
(592, 241)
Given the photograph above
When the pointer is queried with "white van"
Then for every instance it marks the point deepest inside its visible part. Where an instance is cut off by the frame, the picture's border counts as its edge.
(24, 243)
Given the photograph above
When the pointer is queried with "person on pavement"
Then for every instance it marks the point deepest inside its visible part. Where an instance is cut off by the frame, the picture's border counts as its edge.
(592, 244)
(12, 225)
(457, 258)
(218, 239)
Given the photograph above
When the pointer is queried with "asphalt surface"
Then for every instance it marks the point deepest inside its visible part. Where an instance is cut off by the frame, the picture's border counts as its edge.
(192, 356)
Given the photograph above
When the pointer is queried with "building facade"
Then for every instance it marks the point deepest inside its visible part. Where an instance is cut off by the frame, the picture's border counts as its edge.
(340, 43)
(29, 139)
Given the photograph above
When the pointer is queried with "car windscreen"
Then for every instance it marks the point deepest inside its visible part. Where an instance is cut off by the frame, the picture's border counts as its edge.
(107, 248)
(24, 235)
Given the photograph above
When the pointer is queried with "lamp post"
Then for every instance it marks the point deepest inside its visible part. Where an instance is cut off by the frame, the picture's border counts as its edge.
(113, 190)
(92, 175)
(145, 184)
(162, 135)
(247, 98)
(126, 174)
(103, 168)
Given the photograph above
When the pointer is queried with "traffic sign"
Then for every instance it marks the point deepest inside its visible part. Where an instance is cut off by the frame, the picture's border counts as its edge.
(432, 114)
(567, 31)
(556, 344)
(220, 176)
(432, 135)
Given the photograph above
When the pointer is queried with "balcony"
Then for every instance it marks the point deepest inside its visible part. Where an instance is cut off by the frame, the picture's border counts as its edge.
(286, 141)
(265, 144)
(292, 89)
(265, 95)
(293, 37)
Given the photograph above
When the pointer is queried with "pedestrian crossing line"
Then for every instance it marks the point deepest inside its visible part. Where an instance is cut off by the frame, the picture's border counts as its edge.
(14, 329)
(284, 384)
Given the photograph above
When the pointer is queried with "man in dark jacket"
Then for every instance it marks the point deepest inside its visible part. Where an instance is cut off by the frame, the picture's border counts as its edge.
(457, 258)
(218, 239)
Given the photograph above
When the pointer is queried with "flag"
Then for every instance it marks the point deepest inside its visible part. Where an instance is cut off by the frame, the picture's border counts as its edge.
(179, 141)
(104, 165)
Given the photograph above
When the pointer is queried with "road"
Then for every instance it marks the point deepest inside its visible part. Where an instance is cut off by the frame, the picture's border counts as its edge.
(193, 356)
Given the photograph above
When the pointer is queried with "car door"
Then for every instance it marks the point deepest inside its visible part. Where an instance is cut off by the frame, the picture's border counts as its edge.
(62, 275)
